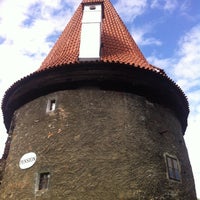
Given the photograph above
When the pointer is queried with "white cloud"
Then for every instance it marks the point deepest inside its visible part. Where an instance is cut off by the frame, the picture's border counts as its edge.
(167, 5)
(164, 63)
(185, 6)
(192, 141)
(184, 65)
(129, 10)
(140, 35)
(170, 5)
(186, 84)
(182, 8)
(154, 4)
(24, 46)
(189, 53)
(194, 99)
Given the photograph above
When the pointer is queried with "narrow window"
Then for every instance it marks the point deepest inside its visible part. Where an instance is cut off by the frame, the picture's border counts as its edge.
(173, 168)
(44, 181)
(51, 105)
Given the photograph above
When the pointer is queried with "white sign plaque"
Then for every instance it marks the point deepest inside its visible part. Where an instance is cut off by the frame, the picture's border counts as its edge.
(27, 160)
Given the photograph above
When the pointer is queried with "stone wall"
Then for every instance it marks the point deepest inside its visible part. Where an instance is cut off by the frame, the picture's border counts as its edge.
(2, 166)
(3, 159)
(97, 145)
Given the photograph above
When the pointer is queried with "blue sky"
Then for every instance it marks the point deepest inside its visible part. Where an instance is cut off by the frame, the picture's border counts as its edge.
(166, 31)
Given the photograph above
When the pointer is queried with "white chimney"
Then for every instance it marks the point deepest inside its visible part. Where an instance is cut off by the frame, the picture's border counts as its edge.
(90, 43)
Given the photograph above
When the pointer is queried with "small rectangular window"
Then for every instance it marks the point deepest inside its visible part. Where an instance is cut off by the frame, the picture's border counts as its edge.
(173, 168)
(43, 181)
(51, 105)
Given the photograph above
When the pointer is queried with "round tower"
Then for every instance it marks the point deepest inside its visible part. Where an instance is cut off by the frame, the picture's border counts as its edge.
(96, 120)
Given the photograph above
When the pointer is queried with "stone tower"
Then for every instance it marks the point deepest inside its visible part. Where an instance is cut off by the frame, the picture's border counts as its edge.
(96, 121)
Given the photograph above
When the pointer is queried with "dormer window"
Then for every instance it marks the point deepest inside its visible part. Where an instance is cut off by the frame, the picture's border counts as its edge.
(90, 43)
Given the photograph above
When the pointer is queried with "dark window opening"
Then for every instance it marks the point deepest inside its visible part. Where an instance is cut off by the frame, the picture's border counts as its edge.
(173, 168)
(51, 105)
(44, 181)
(92, 7)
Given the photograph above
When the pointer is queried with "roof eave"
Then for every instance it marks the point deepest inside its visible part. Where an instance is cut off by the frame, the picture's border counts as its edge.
(150, 83)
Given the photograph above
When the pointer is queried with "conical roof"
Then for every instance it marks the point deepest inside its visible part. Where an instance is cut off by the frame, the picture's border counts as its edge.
(117, 43)
(120, 66)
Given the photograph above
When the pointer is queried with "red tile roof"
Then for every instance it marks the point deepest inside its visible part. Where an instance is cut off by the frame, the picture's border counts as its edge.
(117, 43)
